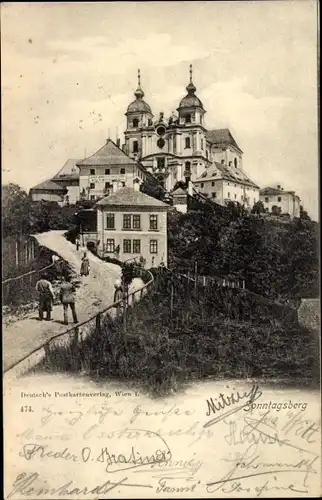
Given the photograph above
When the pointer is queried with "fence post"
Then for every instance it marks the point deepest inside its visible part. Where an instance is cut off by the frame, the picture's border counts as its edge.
(98, 323)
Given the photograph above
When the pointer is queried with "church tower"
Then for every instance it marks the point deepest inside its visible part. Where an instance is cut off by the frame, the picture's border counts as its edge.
(139, 117)
(192, 133)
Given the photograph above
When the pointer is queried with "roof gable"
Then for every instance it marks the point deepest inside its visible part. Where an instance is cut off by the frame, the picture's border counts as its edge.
(110, 154)
(221, 137)
(131, 197)
(69, 170)
(218, 171)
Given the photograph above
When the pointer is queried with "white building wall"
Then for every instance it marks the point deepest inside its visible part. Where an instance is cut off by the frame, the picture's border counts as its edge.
(284, 201)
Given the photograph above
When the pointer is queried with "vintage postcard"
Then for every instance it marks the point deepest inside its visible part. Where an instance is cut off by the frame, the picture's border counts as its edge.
(160, 226)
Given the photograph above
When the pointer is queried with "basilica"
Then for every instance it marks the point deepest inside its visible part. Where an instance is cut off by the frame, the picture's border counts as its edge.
(173, 147)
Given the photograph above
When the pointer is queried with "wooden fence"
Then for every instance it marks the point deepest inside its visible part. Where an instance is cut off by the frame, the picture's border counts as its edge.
(73, 337)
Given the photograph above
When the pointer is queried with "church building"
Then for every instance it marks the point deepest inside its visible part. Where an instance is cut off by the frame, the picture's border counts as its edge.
(180, 148)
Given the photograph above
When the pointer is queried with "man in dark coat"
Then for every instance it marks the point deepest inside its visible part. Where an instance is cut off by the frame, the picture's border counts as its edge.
(67, 297)
(45, 297)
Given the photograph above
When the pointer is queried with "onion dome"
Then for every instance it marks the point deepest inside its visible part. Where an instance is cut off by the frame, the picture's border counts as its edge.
(139, 105)
(190, 100)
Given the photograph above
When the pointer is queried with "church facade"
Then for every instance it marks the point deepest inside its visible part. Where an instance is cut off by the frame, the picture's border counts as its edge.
(180, 148)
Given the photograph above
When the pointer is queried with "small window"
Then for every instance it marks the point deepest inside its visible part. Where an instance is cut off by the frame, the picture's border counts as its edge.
(266, 199)
(222, 162)
(92, 197)
(107, 171)
(235, 196)
(126, 221)
(202, 184)
(92, 171)
(201, 143)
(122, 171)
(107, 185)
(92, 185)
(123, 184)
(213, 195)
(150, 122)
(187, 142)
(235, 162)
(161, 163)
(110, 245)
(242, 198)
(153, 246)
(188, 166)
(213, 183)
(153, 222)
(136, 221)
(229, 163)
(228, 194)
(136, 246)
(135, 122)
(110, 221)
(279, 198)
(135, 147)
(126, 246)
(188, 118)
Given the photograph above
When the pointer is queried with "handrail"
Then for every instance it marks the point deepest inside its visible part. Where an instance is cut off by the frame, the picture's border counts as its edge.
(27, 274)
(78, 325)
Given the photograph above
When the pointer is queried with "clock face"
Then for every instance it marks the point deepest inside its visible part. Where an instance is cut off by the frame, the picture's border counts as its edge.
(161, 143)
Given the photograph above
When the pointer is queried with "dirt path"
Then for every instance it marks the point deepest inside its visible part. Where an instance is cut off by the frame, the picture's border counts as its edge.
(96, 291)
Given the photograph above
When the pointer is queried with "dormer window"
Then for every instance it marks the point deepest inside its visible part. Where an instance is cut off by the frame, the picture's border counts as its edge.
(135, 122)
(187, 142)
(188, 118)
(150, 122)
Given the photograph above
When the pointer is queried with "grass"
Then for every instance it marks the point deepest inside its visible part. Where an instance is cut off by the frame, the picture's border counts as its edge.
(211, 334)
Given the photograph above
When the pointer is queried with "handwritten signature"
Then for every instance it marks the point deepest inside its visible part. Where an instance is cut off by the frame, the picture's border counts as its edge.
(227, 401)
(26, 484)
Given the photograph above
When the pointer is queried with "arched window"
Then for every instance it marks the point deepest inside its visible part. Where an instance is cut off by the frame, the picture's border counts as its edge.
(187, 142)
(188, 166)
(135, 146)
(135, 122)
(150, 122)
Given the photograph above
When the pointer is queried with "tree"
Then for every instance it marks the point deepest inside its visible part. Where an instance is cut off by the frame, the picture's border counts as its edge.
(152, 188)
(16, 205)
(258, 208)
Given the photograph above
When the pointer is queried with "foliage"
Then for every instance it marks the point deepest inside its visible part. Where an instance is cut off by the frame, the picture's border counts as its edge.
(275, 258)
(152, 188)
(21, 215)
(202, 338)
(258, 208)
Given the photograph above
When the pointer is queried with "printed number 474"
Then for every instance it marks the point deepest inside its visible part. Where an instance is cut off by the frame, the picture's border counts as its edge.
(26, 409)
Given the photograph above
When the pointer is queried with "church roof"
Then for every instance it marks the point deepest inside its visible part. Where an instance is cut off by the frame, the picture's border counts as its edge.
(190, 101)
(110, 154)
(128, 197)
(221, 137)
(68, 171)
(139, 106)
(48, 186)
(218, 171)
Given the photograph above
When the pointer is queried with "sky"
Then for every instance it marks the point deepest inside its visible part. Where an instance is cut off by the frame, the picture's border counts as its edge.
(69, 71)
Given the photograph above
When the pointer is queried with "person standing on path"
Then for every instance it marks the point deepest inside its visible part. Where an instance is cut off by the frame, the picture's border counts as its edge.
(77, 243)
(45, 297)
(84, 270)
(67, 297)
